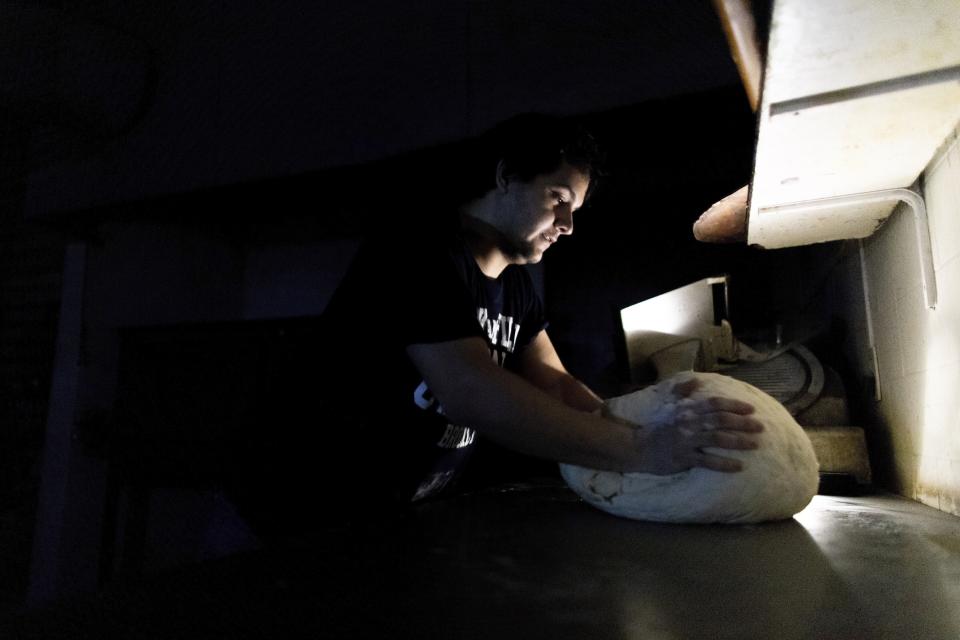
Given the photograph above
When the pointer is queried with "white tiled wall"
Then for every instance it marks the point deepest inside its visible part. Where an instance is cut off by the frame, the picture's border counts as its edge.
(918, 349)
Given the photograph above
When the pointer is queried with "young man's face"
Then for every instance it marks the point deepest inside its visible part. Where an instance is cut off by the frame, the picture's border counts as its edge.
(538, 212)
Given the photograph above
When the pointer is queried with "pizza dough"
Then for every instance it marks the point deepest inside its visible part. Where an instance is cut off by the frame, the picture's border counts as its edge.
(726, 220)
(778, 479)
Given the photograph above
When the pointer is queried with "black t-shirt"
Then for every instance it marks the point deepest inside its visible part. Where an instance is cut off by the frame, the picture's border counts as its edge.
(397, 293)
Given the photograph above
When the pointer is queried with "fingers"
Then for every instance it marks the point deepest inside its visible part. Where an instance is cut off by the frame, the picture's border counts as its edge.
(729, 405)
(720, 420)
(685, 389)
(735, 422)
(726, 440)
(698, 426)
(722, 440)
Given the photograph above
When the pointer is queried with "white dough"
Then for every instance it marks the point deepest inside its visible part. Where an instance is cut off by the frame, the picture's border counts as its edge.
(778, 479)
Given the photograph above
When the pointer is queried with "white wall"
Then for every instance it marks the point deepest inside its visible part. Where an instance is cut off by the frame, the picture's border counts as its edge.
(917, 420)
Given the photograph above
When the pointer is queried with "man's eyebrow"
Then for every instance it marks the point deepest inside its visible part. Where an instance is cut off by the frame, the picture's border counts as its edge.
(570, 192)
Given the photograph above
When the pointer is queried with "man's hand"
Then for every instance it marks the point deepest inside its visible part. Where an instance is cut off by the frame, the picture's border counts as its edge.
(697, 424)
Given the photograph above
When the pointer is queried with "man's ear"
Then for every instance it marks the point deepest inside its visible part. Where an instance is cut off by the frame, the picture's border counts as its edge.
(502, 176)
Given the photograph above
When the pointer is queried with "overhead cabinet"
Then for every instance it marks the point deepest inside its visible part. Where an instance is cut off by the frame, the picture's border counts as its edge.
(857, 97)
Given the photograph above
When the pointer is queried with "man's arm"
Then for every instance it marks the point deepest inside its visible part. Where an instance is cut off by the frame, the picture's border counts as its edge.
(541, 366)
(475, 392)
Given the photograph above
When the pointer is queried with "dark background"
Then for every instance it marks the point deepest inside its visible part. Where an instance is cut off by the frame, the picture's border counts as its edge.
(218, 163)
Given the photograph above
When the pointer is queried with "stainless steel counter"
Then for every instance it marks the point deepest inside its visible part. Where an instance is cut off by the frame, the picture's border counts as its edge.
(535, 562)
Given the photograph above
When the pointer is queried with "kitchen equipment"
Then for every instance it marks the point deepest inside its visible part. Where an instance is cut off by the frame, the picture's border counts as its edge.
(686, 329)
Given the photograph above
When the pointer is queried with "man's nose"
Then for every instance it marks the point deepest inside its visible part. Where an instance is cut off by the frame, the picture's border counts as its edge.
(564, 221)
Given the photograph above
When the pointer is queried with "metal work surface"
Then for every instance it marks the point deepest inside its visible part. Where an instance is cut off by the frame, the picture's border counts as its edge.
(535, 562)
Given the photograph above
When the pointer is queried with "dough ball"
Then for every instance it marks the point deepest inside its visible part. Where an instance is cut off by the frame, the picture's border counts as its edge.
(778, 479)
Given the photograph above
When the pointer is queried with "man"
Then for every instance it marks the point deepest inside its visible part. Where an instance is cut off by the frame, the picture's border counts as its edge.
(441, 337)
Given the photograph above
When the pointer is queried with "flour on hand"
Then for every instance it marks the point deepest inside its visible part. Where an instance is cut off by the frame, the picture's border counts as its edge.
(778, 479)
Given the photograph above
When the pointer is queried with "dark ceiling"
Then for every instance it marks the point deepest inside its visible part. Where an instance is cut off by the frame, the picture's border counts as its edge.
(111, 102)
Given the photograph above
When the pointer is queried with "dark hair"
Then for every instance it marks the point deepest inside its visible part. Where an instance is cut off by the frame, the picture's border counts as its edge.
(532, 144)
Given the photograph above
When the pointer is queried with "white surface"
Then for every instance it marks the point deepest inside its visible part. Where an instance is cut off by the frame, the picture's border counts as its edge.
(918, 348)
(866, 140)
(818, 46)
(684, 315)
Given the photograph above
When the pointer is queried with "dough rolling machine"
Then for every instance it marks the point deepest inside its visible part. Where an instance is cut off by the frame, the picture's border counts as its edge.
(688, 329)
